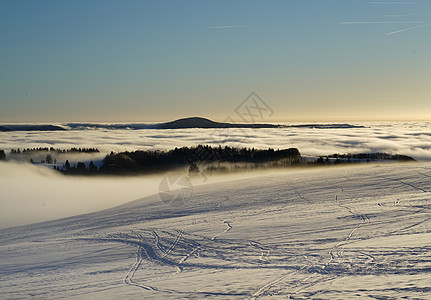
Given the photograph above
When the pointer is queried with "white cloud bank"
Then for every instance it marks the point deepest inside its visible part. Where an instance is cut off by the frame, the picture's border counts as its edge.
(408, 138)
(30, 193)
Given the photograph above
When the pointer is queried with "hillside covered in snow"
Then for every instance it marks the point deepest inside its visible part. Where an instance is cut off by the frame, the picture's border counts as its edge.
(330, 233)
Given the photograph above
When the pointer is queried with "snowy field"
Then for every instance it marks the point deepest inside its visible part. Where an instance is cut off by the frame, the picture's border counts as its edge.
(332, 233)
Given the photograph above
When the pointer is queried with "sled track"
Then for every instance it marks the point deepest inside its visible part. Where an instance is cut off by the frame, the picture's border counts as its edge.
(338, 249)
(405, 183)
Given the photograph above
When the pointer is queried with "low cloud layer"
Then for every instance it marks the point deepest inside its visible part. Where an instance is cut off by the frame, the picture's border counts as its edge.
(408, 138)
(30, 193)
(33, 193)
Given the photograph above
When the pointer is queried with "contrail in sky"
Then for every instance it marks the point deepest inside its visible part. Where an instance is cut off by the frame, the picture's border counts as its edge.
(397, 16)
(421, 24)
(226, 26)
(392, 2)
(410, 28)
(382, 22)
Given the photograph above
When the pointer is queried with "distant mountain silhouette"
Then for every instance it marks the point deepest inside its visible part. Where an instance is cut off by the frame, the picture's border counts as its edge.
(198, 122)
(327, 126)
(30, 127)
(192, 122)
(184, 123)
(4, 128)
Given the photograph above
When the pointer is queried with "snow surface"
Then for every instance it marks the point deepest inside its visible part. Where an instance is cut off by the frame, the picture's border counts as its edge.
(331, 233)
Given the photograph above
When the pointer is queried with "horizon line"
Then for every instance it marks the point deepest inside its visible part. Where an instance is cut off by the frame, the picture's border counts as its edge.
(225, 121)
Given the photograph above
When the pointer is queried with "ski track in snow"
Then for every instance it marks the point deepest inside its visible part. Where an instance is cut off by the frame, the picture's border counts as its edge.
(311, 235)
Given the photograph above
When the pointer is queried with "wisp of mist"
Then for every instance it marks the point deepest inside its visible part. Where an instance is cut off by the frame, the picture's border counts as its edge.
(31, 193)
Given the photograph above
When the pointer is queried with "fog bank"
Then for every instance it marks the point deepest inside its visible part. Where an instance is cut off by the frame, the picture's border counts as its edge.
(30, 193)
(408, 138)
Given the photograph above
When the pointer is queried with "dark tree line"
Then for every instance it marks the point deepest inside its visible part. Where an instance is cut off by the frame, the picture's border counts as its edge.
(357, 158)
(211, 159)
(372, 156)
(148, 161)
(54, 150)
(79, 169)
(33, 154)
(199, 158)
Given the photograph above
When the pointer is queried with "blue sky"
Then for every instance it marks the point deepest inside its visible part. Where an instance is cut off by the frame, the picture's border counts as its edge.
(161, 60)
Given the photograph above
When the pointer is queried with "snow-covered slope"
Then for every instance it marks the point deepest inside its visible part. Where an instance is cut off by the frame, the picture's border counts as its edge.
(334, 233)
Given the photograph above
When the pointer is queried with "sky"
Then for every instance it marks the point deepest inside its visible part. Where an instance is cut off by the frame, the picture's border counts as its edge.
(308, 60)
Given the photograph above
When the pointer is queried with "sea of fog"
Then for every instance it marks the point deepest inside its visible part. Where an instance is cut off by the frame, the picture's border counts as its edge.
(408, 138)
(31, 193)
